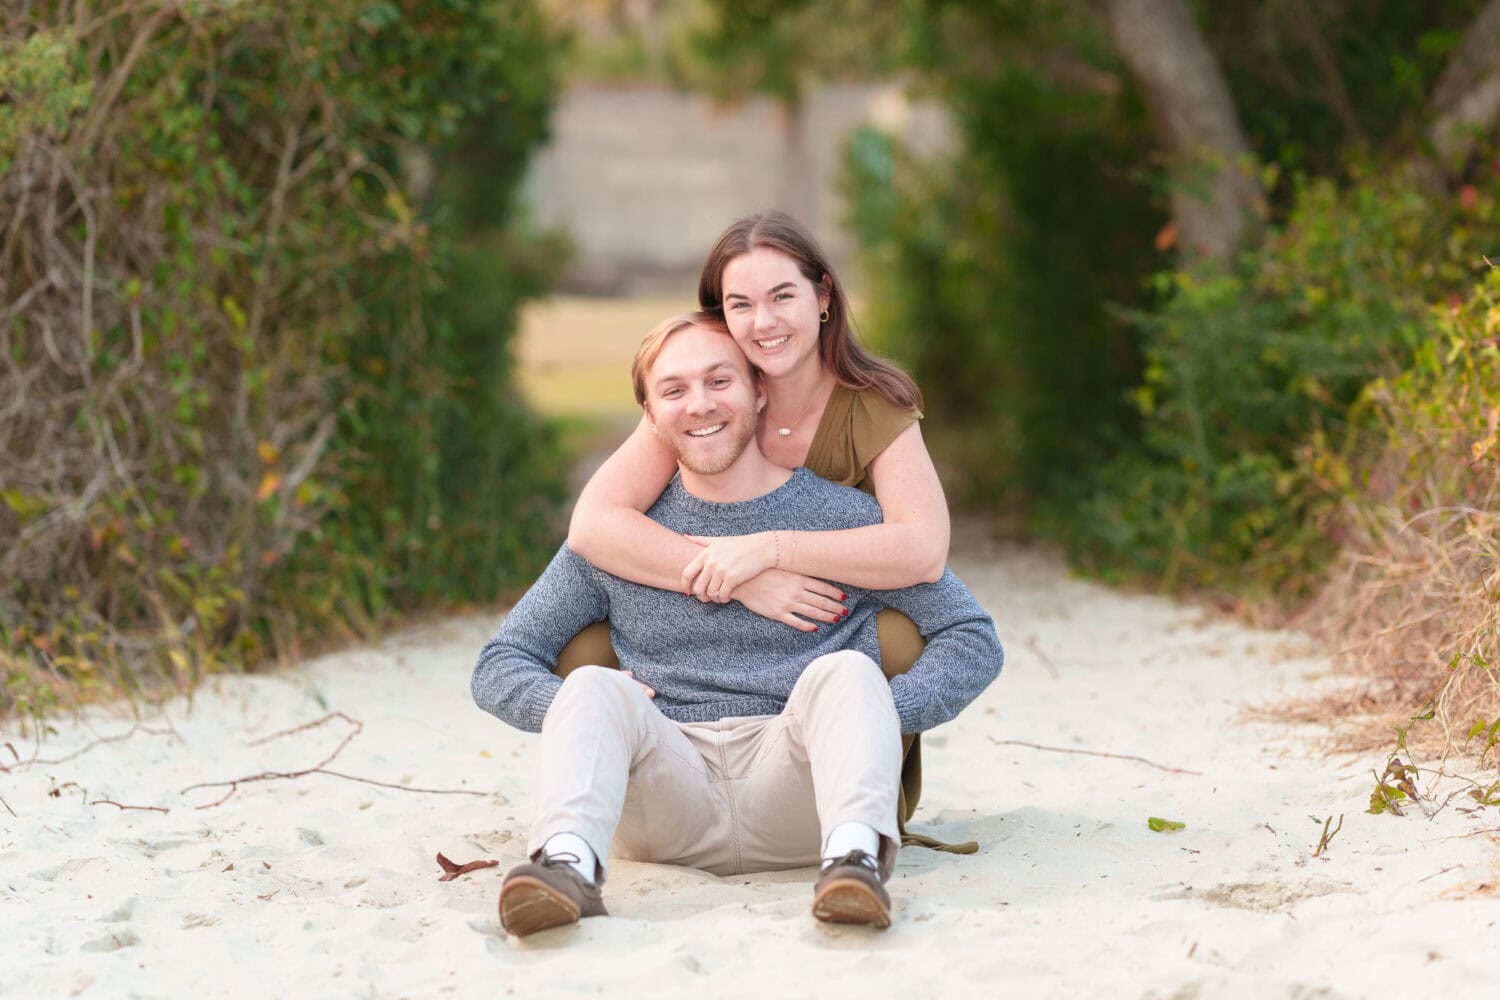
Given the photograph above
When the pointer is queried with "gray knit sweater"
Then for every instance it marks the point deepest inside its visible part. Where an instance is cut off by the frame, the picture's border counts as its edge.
(711, 661)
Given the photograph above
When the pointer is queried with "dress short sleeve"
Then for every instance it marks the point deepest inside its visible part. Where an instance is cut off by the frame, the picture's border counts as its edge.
(857, 425)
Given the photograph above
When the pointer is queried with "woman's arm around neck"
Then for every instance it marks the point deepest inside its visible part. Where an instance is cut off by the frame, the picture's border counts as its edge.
(609, 526)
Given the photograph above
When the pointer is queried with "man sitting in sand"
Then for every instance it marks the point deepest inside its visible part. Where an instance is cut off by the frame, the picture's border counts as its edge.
(727, 742)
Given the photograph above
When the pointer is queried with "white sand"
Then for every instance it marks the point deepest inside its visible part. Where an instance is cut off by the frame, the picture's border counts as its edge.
(322, 886)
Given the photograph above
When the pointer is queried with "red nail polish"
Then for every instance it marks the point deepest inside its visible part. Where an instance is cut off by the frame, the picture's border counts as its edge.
(815, 628)
(843, 596)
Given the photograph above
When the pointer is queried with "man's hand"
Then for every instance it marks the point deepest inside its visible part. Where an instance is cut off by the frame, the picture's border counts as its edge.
(649, 692)
(792, 598)
(726, 563)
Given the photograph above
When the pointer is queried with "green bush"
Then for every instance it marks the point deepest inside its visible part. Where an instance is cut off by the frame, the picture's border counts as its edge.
(1254, 370)
(255, 385)
(992, 268)
(1154, 424)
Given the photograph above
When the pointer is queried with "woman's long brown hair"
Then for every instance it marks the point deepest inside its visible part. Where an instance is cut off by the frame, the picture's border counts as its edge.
(840, 352)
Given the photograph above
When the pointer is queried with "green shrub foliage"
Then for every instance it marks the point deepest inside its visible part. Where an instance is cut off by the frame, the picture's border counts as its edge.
(1256, 374)
(1161, 423)
(992, 270)
(254, 378)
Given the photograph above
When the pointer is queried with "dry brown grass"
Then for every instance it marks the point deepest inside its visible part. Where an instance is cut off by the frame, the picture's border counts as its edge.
(1411, 613)
(1412, 608)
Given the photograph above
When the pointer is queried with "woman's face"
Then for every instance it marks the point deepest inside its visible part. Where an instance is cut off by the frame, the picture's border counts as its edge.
(772, 310)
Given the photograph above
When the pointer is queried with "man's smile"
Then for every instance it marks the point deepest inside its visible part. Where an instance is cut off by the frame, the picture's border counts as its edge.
(706, 431)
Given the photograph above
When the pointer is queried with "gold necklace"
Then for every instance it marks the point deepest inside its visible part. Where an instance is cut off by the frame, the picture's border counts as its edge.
(787, 431)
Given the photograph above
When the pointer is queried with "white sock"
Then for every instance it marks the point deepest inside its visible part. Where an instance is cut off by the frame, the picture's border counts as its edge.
(848, 837)
(571, 843)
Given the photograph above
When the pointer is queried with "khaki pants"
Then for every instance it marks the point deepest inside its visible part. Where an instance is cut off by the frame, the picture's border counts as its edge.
(738, 795)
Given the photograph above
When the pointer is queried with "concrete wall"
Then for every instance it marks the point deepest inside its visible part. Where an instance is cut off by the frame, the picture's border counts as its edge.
(646, 179)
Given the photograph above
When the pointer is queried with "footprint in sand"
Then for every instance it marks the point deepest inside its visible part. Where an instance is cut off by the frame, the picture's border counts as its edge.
(114, 941)
(65, 871)
(119, 914)
(1259, 896)
(385, 897)
(151, 848)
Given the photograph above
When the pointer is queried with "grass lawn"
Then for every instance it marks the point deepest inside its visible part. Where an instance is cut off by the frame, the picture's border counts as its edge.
(574, 354)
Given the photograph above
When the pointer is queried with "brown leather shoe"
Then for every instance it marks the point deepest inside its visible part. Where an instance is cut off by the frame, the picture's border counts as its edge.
(548, 893)
(849, 892)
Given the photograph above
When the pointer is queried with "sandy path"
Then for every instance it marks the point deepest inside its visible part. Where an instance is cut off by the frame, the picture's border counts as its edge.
(321, 885)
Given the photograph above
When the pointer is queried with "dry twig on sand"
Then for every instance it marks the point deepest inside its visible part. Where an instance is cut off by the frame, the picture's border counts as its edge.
(1036, 647)
(1093, 753)
(137, 728)
(1328, 834)
(1437, 873)
(124, 808)
(233, 785)
(36, 749)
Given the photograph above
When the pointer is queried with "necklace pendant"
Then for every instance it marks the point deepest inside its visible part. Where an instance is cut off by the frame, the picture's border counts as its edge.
(785, 432)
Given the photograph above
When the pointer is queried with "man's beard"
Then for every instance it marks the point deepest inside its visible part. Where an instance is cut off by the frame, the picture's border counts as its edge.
(730, 442)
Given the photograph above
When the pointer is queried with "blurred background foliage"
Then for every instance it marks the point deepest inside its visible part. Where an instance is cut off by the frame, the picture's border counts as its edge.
(1157, 413)
(1194, 296)
(1167, 297)
(1161, 412)
(259, 268)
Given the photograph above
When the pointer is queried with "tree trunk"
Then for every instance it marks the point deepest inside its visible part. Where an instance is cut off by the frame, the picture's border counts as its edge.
(1466, 100)
(1215, 195)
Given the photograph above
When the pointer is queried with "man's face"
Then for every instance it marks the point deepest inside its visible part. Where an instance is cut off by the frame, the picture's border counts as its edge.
(702, 399)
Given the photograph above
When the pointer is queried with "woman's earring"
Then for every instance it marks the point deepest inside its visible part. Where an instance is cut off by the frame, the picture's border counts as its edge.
(824, 317)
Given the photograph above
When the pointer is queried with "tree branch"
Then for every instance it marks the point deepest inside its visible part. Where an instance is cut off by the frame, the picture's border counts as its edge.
(1213, 198)
(1466, 99)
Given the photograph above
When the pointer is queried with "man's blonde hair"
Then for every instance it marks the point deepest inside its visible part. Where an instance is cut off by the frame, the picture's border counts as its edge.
(651, 346)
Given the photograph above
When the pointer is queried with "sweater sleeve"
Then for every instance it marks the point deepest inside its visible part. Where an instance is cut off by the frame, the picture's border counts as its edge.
(962, 657)
(513, 679)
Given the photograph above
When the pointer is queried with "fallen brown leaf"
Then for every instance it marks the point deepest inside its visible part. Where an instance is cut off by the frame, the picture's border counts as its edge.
(453, 871)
